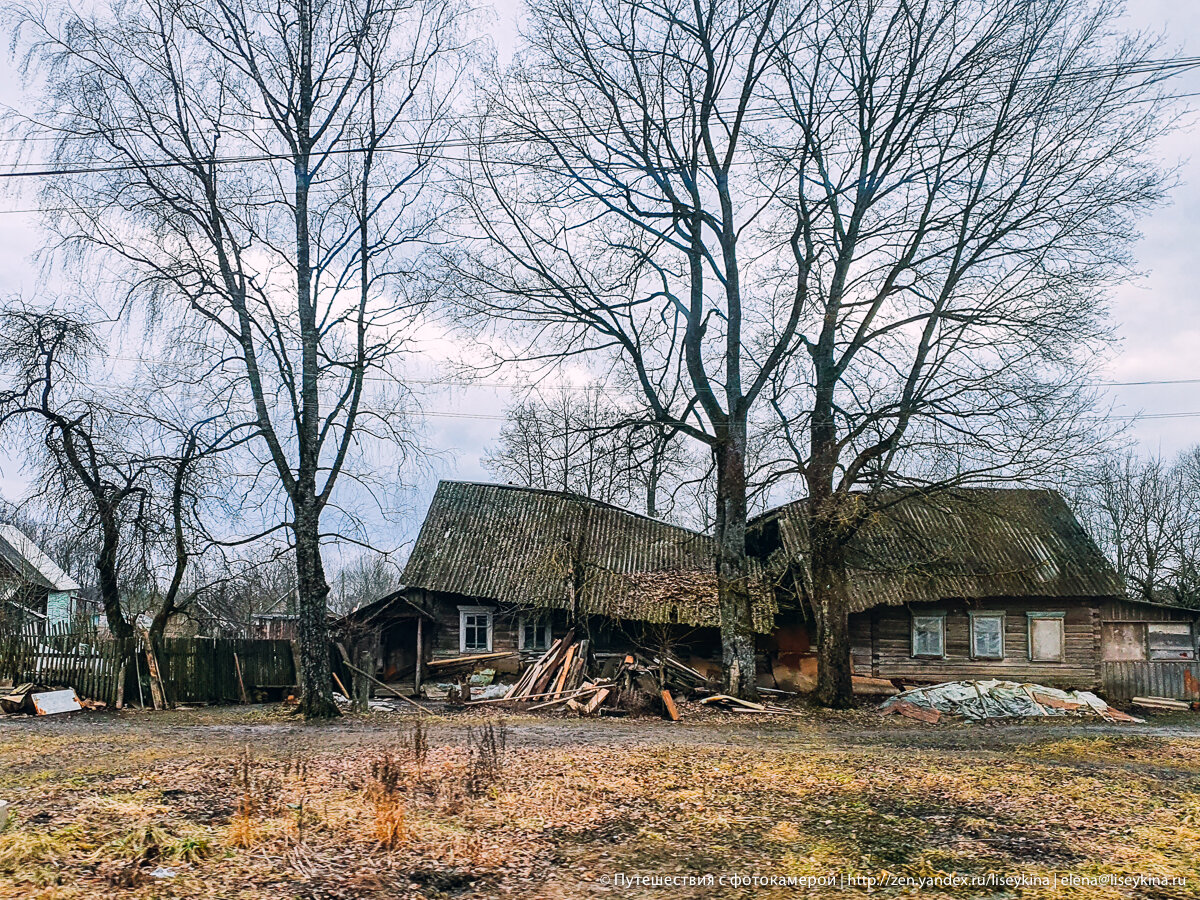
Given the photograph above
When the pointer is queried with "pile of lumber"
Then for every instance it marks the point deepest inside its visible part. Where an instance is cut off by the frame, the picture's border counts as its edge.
(557, 675)
(1163, 703)
(737, 705)
(560, 679)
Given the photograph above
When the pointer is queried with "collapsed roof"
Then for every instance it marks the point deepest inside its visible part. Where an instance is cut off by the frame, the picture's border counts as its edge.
(553, 549)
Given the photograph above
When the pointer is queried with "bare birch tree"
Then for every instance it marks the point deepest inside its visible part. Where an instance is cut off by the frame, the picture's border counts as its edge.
(886, 227)
(262, 174)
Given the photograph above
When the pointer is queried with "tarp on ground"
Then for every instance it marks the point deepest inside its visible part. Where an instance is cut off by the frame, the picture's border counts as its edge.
(994, 699)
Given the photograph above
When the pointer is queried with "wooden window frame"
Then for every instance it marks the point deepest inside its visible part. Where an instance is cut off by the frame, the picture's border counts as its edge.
(1030, 617)
(974, 614)
(543, 624)
(463, 612)
(936, 614)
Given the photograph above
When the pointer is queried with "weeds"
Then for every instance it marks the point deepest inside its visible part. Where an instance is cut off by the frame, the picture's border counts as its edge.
(258, 797)
(155, 842)
(385, 793)
(485, 746)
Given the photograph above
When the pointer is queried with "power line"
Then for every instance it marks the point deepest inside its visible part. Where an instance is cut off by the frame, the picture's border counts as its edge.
(423, 149)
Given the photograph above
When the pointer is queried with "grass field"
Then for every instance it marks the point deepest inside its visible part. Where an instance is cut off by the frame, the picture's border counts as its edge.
(248, 803)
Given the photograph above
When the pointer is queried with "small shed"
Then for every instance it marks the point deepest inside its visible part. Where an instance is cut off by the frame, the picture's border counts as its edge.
(33, 589)
(1149, 649)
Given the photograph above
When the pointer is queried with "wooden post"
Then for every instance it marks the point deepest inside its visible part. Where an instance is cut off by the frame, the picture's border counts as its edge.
(362, 689)
(420, 657)
(120, 701)
(237, 667)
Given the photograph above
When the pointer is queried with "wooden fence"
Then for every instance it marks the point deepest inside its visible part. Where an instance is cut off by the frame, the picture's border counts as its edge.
(193, 670)
(1145, 678)
(60, 655)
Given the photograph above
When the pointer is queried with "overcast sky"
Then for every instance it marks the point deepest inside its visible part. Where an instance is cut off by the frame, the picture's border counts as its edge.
(1157, 316)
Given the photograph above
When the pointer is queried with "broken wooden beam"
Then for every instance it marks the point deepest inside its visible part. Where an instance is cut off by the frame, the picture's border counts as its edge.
(669, 705)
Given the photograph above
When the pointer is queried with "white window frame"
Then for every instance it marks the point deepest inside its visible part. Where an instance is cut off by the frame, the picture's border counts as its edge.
(1030, 617)
(463, 612)
(974, 614)
(522, 622)
(938, 614)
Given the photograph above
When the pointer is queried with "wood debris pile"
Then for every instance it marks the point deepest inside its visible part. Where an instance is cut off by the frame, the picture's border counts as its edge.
(560, 679)
(734, 704)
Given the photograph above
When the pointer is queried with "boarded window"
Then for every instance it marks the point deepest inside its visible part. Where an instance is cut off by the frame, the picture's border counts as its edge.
(1046, 637)
(929, 635)
(1170, 640)
(1123, 641)
(987, 635)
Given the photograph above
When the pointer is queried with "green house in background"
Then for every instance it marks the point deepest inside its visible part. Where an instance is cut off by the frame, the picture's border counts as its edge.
(33, 589)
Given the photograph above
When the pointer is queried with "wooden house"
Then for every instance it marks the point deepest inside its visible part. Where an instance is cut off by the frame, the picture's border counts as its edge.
(33, 589)
(974, 583)
(498, 568)
(985, 583)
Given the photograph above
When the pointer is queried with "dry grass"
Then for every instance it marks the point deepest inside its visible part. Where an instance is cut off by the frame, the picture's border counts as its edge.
(399, 811)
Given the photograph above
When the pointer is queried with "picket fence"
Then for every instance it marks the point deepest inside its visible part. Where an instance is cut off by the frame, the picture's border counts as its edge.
(192, 670)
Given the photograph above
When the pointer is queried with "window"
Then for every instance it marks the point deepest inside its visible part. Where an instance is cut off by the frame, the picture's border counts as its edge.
(1046, 636)
(929, 635)
(474, 629)
(1170, 640)
(987, 635)
(534, 635)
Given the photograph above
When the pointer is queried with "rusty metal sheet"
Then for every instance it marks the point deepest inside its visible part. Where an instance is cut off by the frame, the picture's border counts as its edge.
(53, 702)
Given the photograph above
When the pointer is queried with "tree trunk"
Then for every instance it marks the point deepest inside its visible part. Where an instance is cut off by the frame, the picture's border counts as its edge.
(316, 675)
(110, 586)
(830, 602)
(733, 568)
(362, 685)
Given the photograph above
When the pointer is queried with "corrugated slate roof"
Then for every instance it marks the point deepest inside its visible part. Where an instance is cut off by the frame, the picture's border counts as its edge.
(966, 544)
(521, 545)
(29, 562)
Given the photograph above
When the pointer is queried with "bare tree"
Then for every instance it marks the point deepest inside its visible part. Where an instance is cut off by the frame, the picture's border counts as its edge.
(264, 173)
(129, 475)
(1144, 512)
(574, 440)
(365, 579)
(885, 227)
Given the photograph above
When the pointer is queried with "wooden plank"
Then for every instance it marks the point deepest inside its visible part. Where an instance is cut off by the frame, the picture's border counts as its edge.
(669, 704)
(564, 669)
(237, 667)
(597, 701)
(912, 711)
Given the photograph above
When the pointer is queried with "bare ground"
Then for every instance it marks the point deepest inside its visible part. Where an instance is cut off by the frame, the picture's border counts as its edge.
(249, 803)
